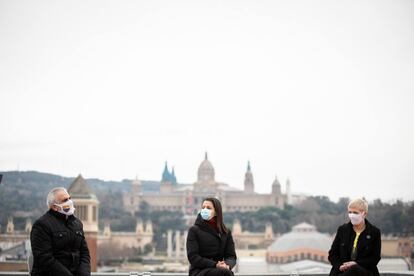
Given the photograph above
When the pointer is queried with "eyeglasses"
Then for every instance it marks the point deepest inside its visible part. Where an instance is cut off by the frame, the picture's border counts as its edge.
(65, 200)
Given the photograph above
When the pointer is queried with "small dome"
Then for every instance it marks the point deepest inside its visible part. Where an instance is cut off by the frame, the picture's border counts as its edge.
(302, 235)
(206, 171)
(276, 182)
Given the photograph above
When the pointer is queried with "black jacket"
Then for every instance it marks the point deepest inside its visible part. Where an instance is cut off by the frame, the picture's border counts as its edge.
(368, 248)
(205, 247)
(59, 247)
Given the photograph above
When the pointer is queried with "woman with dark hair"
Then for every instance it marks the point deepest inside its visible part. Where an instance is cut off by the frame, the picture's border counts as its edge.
(210, 246)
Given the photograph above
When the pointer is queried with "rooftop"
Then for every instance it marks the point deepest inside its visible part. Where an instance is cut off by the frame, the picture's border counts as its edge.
(301, 234)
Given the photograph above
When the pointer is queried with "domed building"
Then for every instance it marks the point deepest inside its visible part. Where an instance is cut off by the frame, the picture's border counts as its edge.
(188, 198)
(205, 176)
(302, 243)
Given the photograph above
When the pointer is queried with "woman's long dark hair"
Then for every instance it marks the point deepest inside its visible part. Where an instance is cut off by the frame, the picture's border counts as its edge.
(219, 214)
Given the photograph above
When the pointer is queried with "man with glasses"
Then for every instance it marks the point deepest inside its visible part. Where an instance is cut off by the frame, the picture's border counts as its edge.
(57, 239)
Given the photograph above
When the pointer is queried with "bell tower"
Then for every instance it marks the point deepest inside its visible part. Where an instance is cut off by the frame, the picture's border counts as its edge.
(86, 205)
(166, 186)
(278, 200)
(288, 192)
(248, 180)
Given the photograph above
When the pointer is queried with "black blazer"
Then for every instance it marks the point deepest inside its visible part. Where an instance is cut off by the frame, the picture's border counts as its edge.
(205, 247)
(59, 246)
(368, 248)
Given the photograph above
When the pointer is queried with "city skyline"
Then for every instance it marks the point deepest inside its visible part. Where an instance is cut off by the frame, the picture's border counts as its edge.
(318, 92)
(283, 183)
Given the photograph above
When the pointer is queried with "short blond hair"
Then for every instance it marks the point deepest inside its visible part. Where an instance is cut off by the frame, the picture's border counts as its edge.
(360, 204)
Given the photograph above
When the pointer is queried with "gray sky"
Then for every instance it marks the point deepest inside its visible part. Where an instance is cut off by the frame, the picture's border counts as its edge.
(321, 92)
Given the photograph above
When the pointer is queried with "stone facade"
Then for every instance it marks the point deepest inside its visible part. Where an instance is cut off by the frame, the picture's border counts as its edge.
(142, 236)
(252, 240)
(188, 198)
(12, 237)
(398, 247)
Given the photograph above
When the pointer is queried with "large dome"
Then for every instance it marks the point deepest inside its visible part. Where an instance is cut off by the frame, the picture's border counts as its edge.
(302, 235)
(205, 171)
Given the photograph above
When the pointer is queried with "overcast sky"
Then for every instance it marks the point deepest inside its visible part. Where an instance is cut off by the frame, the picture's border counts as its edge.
(321, 92)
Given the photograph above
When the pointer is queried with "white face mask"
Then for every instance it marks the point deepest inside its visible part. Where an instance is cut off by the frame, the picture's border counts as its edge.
(356, 219)
(66, 208)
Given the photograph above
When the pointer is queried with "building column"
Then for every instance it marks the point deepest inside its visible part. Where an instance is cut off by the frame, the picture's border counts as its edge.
(177, 244)
(184, 243)
(169, 243)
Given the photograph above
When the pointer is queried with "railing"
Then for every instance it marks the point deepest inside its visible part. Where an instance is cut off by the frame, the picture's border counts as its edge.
(385, 273)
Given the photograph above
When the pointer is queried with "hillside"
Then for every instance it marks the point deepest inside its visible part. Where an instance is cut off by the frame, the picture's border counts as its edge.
(23, 194)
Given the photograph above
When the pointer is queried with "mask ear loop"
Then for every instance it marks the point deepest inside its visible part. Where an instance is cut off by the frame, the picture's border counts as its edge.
(60, 207)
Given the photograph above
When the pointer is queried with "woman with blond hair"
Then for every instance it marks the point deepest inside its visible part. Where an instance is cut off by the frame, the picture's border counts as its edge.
(356, 249)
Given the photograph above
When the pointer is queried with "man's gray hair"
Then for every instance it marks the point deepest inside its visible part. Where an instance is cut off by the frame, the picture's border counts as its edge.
(51, 196)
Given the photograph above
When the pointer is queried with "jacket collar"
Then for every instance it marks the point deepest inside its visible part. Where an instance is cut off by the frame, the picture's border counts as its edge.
(200, 222)
(367, 230)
